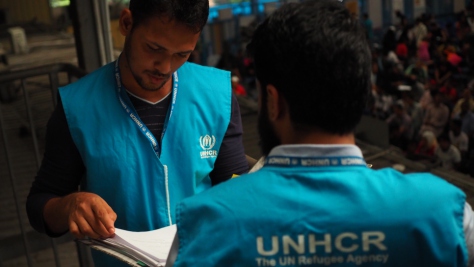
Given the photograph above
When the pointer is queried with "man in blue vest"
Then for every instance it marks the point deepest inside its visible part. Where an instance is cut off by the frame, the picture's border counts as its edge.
(139, 134)
(315, 202)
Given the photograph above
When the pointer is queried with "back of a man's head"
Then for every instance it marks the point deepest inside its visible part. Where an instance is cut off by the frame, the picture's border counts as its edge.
(193, 13)
(316, 55)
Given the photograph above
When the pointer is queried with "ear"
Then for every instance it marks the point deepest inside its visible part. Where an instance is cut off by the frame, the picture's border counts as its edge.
(125, 22)
(275, 103)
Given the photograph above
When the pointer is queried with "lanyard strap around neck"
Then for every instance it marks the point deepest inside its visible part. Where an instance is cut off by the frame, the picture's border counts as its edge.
(128, 107)
(335, 161)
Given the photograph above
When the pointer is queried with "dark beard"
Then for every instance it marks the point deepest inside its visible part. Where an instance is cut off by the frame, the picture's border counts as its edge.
(138, 79)
(268, 138)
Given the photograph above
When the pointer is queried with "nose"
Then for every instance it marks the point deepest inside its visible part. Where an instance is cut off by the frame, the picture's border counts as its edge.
(163, 64)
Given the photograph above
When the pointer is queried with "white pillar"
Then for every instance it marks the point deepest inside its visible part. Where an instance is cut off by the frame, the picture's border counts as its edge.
(397, 5)
(375, 13)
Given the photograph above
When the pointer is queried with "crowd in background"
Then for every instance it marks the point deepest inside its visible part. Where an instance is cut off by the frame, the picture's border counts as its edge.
(422, 85)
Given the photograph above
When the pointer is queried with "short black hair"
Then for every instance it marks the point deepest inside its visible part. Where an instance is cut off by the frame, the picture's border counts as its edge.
(193, 13)
(316, 55)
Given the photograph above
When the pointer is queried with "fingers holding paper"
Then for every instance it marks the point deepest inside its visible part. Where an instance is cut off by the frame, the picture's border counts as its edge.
(91, 216)
(82, 213)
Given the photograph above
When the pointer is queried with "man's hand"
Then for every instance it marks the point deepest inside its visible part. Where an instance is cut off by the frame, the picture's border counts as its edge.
(84, 214)
(90, 215)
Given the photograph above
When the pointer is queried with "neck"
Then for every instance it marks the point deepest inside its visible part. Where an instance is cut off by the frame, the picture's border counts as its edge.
(319, 138)
(131, 84)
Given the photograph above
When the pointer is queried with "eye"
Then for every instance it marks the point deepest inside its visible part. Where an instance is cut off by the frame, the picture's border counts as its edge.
(153, 48)
(182, 55)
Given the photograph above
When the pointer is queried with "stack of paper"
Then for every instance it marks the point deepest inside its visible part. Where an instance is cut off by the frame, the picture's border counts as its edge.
(148, 248)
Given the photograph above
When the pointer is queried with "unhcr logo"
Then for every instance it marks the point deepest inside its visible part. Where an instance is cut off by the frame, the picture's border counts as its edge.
(207, 142)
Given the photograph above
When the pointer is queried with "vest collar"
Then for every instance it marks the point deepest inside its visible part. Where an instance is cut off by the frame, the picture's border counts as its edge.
(309, 151)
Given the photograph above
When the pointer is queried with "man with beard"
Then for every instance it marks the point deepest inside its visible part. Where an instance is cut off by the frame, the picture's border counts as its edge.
(315, 202)
(139, 134)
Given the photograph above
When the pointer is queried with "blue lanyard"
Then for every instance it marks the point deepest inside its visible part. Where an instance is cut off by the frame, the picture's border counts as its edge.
(128, 107)
(283, 161)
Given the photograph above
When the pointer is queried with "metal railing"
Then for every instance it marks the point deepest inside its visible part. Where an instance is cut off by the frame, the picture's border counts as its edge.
(18, 81)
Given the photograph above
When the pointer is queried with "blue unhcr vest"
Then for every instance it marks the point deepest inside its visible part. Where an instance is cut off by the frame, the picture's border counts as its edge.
(320, 209)
(121, 164)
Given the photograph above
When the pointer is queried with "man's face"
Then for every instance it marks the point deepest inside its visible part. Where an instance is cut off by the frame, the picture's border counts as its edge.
(268, 137)
(444, 144)
(156, 48)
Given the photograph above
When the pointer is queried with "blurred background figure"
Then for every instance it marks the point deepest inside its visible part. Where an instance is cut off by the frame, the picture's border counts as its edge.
(447, 155)
(237, 88)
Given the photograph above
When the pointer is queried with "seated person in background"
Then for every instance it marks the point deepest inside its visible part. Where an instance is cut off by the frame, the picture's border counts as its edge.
(417, 88)
(424, 50)
(394, 78)
(426, 99)
(421, 71)
(400, 126)
(443, 71)
(466, 96)
(391, 57)
(453, 58)
(402, 49)
(426, 147)
(414, 110)
(467, 118)
(436, 116)
(458, 138)
(448, 156)
(237, 88)
(315, 200)
(449, 93)
(382, 103)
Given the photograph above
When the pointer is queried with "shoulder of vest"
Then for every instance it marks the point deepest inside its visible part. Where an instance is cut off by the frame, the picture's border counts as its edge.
(100, 75)
(426, 176)
(422, 179)
(201, 68)
(210, 82)
(226, 189)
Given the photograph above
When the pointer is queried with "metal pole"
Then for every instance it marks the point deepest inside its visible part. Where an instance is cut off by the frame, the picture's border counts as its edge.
(100, 33)
(30, 120)
(37, 155)
(15, 195)
(88, 47)
(107, 34)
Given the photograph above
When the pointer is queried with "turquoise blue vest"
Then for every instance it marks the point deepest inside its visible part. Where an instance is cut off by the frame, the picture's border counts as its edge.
(121, 165)
(324, 216)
